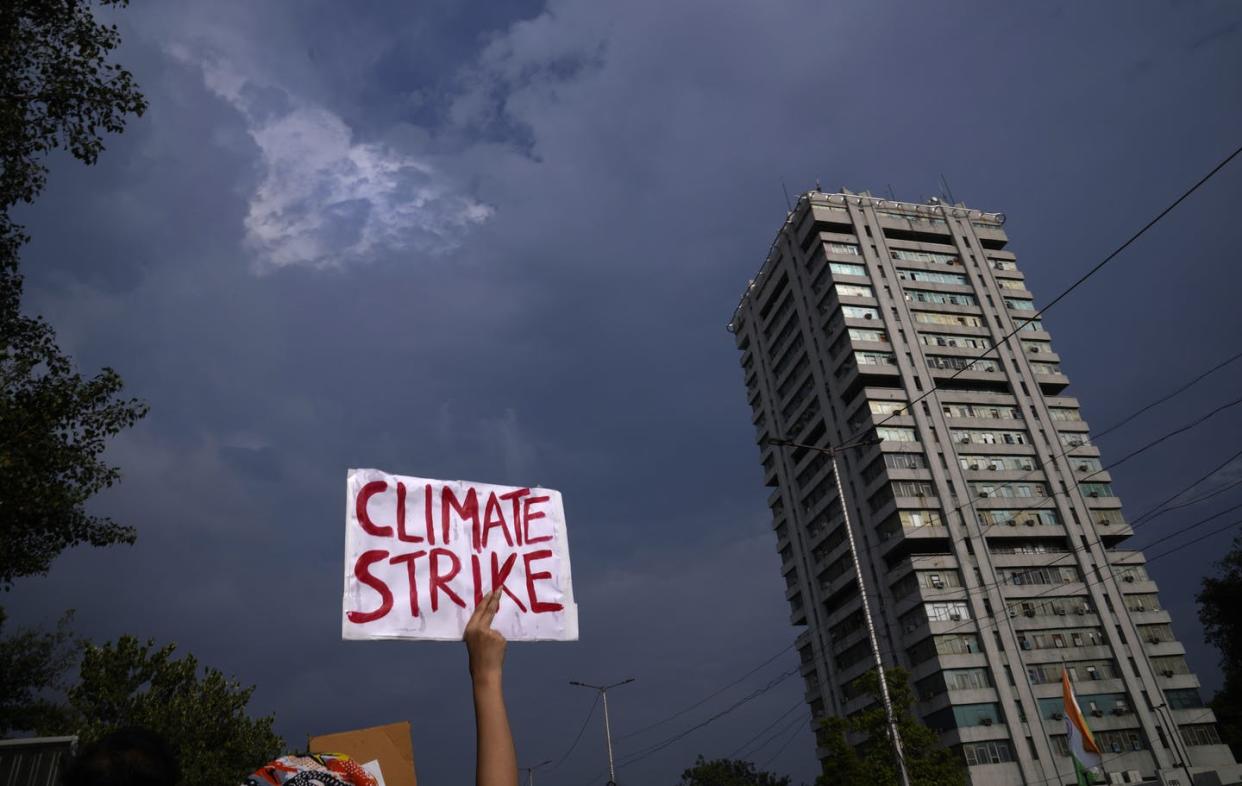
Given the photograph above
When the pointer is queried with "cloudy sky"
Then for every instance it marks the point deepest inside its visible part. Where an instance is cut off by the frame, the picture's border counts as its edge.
(501, 242)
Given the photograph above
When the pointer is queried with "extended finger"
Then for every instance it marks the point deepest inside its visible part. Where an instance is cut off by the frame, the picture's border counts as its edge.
(479, 611)
(490, 605)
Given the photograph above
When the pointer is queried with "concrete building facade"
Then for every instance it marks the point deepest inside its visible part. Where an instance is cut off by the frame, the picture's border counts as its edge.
(990, 539)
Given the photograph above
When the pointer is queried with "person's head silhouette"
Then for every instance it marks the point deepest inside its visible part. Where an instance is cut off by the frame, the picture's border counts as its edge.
(127, 757)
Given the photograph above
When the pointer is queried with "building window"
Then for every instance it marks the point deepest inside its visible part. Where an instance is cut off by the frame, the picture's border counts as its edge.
(896, 434)
(991, 752)
(854, 290)
(933, 277)
(847, 269)
(936, 318)
(1200, 734)
(941, 298)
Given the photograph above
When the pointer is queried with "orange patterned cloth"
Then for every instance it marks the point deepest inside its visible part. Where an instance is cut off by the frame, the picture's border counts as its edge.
(311, 769)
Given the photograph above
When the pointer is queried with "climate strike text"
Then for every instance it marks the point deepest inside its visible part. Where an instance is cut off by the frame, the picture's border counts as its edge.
(513, 516)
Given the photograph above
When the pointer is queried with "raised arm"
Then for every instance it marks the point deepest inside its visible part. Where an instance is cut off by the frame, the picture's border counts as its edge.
(497, 759)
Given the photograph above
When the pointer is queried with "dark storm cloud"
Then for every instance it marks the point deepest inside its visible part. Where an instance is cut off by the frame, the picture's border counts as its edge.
(283, 259)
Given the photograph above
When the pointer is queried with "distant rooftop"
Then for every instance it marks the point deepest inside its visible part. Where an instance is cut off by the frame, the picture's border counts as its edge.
(911, 211)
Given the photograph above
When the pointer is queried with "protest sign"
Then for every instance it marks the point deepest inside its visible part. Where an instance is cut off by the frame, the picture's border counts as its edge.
(420, 554)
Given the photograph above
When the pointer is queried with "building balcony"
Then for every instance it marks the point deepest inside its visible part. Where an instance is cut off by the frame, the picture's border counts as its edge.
(981, 733)
(1163, 647)
(1018, 592)
(1052, 384)
(973, 660)
(1074, 619)
(1059, 654)
(1150, 617)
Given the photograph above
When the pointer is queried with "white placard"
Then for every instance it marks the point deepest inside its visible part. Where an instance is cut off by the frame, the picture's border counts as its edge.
(420, 553)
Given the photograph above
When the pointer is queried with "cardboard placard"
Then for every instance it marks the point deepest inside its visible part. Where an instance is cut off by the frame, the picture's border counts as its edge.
(389, 745)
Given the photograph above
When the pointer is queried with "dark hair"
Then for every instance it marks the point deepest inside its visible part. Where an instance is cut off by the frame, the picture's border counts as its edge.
(127, 757)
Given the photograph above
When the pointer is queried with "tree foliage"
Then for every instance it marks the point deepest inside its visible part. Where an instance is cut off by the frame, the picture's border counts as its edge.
(54, 426)
(872, 762)
(203, 716)
(33, 665)
(1219, 601)
(58, 89)
(729, 772)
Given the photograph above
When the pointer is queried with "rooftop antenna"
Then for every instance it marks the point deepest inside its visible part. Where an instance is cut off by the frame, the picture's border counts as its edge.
(788, 201)
(948, 191)
(891, 195)
(817, 188)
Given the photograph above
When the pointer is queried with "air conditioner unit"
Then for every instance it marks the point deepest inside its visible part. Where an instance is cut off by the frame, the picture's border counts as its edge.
(1094, 495)
(965, 440)
(1080, 610)
(1097, 713)
(1167, 672)
(983, 494)
(1116, 747)
(955, 616)
(1012, 523)
(1058, 716)
(974, 466)
(866, 316)
(1140, 607)
(1029, 612)
(1030, 522)
(1128, 579)
(1082, 467)
(1104, 522)
(1060, 612)
(986, 721)
(1117, 778)
(1153, 639)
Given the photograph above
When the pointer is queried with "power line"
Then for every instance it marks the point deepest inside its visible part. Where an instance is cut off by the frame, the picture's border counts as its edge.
(784, 745)
(709, 697)
(737, 750)
(1165, 507)
(659, 746)
(581, 729)
(1077, 283)
(1204, 536)
(796, 723)
(1173, 394)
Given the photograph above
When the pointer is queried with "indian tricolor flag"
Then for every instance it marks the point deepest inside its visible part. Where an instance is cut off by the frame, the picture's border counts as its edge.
(1083, 750)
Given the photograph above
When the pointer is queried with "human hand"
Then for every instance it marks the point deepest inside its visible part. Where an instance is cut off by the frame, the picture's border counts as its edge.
(485, 645)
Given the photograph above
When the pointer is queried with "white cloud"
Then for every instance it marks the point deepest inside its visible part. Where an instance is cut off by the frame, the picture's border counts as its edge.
(323, 198)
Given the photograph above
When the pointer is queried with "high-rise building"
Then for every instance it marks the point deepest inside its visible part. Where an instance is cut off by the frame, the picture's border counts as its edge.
(990, 540)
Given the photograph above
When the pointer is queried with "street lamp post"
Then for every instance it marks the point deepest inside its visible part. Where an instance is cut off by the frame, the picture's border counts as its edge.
(603, 691)
(862, 592)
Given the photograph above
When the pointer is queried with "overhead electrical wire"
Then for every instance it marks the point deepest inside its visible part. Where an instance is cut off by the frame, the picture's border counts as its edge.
(578, 736)
(745, 745)
(708, 697)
